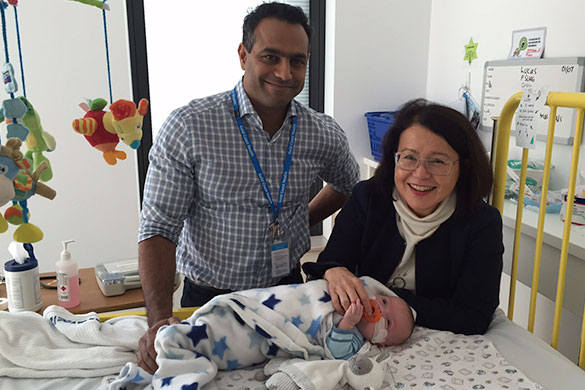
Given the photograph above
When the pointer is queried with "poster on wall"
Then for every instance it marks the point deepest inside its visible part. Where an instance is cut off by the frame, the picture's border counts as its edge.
(528, 43)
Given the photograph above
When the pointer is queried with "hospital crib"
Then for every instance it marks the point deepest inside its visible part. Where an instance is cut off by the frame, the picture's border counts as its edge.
(500, 157)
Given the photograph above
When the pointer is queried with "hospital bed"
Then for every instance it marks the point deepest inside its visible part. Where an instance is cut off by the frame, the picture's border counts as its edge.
(511, 356)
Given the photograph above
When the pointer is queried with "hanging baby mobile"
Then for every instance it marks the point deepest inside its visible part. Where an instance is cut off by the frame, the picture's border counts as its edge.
(21, 175)
(104, 129)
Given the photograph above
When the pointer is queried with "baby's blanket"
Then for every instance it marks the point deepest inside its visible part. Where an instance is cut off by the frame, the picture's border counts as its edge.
(242, 329)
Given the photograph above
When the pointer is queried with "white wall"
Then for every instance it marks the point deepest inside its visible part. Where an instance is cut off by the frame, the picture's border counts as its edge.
(194, 66)
(377, 58)
(490, 24)
(65, 62)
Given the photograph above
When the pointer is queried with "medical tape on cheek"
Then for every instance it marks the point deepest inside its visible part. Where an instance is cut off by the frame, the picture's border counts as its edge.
(380, 332)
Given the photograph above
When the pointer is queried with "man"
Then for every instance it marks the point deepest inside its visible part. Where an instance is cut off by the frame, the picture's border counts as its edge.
(229, 180)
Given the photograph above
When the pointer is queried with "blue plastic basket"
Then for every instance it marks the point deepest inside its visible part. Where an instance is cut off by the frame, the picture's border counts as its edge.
(378, 123)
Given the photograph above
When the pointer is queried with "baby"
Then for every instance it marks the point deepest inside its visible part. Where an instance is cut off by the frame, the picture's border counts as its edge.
(391, 323)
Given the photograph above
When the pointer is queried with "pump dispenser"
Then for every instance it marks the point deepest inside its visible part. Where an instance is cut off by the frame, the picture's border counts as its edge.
(67, 279)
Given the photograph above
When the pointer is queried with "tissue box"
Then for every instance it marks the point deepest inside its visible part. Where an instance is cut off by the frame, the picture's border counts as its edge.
(578, 211)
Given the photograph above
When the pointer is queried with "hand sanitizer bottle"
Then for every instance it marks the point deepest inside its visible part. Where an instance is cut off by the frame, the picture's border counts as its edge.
(67, 279)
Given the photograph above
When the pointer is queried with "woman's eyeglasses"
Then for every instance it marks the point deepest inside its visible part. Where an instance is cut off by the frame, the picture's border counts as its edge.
(434, 166)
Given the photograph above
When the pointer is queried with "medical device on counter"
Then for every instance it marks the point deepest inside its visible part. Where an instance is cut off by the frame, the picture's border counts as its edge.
(117, 277)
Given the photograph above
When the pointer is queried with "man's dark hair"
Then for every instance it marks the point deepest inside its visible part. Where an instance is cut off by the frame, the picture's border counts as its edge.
(280, 11)
(475, 174)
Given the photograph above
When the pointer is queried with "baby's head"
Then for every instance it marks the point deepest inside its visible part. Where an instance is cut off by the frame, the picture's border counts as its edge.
(392, 326)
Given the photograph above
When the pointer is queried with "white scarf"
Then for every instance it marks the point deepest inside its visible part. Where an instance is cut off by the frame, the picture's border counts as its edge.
(415, 229)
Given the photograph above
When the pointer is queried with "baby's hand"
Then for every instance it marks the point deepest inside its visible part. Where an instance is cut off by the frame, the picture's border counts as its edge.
(352, 316)
(354, 312)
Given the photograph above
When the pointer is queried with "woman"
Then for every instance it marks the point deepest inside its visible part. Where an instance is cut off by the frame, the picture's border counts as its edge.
(420, 225)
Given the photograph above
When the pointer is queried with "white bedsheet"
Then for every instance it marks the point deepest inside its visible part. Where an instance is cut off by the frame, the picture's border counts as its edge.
(533, 357)
(538, 360)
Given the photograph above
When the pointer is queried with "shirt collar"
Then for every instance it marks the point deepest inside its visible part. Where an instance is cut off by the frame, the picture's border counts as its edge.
(246, 106)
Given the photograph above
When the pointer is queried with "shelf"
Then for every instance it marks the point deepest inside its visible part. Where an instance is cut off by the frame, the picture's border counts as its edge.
(553, 228)
(369, 167)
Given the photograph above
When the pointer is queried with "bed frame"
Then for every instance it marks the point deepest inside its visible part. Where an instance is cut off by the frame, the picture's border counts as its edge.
(501, 142)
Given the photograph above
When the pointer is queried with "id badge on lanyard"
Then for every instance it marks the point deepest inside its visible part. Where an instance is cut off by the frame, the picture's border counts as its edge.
(279, 248)
(279, 253)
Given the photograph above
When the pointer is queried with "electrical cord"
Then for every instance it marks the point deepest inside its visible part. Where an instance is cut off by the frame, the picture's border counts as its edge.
(51, 285)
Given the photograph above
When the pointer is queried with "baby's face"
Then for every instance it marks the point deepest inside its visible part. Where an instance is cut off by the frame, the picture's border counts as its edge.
(396, 319)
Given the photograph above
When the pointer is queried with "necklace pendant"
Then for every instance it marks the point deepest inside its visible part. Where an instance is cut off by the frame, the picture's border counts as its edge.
(398, 282)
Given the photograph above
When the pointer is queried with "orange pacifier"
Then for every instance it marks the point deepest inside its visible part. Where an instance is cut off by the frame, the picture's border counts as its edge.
(375, 316)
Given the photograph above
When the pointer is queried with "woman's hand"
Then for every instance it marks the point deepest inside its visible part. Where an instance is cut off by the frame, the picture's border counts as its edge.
(345, 288)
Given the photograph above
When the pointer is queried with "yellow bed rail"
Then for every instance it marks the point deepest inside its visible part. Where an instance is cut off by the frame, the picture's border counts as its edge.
(554, 100)
(181, 313)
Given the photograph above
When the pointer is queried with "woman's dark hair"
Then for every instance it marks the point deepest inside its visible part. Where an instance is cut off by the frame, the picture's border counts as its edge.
(475, 174)
(280, 11)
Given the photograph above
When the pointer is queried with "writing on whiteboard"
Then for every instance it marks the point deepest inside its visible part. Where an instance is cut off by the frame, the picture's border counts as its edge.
(502, 79)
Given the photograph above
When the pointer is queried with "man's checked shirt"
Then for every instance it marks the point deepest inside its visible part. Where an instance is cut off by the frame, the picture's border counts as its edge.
(203, 194)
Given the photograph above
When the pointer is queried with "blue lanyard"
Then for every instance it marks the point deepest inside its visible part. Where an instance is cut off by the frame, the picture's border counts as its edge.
(256, 163)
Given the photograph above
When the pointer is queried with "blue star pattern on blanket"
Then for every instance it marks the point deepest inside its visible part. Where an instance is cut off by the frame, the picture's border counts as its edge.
(305, 299)
(137, 378)
(220, 311)
(314, 328)
(166, 381)
(197, 334)
(233, 364)
(256, 339)
(272, 350)
(271, 302)
(297, 321)
(220, 347)
(170, 331)
(262, 332)
(326, 297)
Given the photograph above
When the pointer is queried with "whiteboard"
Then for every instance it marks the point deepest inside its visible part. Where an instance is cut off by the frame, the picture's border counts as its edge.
(504, 78)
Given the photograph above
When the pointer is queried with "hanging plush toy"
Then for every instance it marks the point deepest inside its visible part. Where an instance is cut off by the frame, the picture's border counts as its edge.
(8, 171)
(37, 141)
(13, 110)
(25, 183)
(103, 130)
